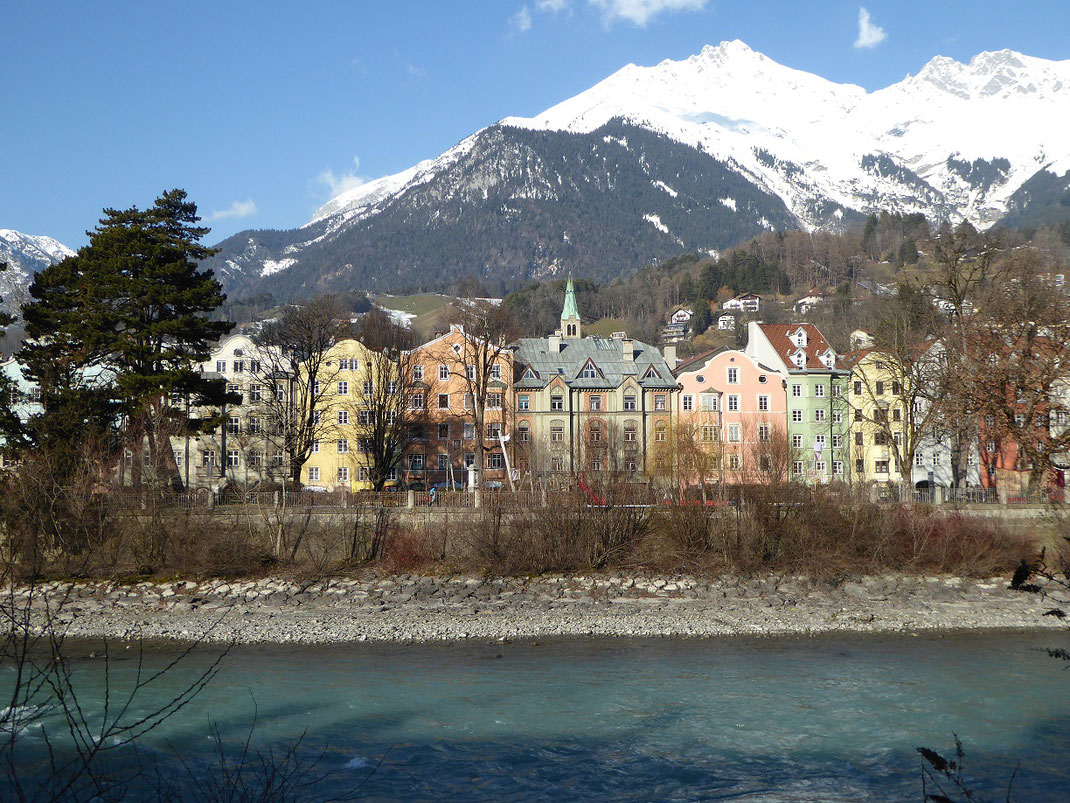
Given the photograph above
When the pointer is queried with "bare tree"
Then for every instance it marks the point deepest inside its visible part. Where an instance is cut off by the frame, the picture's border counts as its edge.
(482, 363)
(295, 367)
(381, 404)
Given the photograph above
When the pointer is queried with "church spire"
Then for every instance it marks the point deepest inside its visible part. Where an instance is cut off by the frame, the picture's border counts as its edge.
(570, 313)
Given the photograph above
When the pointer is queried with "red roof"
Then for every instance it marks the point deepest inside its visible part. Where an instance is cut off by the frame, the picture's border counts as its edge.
(779, 335)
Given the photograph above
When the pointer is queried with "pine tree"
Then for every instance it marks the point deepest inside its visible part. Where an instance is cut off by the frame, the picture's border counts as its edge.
(117, 328)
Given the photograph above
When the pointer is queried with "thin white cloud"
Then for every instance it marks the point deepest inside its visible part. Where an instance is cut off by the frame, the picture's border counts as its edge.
(640, 12)
(416, 73)
(551, 6)
(339, 183)
(521, 20)
(869, 34)
(238, 209)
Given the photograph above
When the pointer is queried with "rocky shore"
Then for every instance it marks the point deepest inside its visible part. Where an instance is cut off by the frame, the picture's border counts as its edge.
(422, 609)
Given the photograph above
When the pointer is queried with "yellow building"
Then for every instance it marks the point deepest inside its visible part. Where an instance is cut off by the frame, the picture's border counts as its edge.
(877, 417)
(339, 457)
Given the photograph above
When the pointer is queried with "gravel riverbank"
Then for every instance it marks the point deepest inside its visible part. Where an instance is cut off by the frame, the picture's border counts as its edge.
(421, 609)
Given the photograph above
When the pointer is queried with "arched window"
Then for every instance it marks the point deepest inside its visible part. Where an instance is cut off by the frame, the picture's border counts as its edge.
(630, 432)
(660, 432)
(523, 432)
(595, 431)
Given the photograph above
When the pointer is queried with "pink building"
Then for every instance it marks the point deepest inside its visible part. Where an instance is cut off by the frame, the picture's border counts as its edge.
(732, 418)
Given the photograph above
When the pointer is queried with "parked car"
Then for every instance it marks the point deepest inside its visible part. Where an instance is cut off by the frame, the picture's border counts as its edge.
(446, 486)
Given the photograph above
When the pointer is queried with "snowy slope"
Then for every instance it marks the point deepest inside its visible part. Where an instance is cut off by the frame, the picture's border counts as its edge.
(25, 254)
(816, 143)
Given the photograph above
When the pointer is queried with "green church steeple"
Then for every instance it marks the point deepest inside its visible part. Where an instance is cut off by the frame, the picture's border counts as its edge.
(570, 313)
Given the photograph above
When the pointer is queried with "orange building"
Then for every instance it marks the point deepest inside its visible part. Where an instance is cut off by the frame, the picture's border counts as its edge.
(453, 377)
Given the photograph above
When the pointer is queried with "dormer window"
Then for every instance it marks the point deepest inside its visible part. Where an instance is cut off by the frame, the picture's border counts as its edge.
(800, 338)
(589, 371)
(829, 359)
(799, 359)
(530, 374)
(652, 373)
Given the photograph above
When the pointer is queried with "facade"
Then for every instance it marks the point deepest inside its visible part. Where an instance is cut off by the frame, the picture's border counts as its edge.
(242, 450)
(731, 414)
(814, 379)
(748, 302)
(589, 404)
(443, 437)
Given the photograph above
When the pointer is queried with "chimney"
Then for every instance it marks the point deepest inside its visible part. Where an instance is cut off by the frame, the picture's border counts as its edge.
(670, 356)
(628, 347)
(555, 342)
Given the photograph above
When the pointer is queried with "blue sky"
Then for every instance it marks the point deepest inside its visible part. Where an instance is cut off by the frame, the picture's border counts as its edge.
(259, 109)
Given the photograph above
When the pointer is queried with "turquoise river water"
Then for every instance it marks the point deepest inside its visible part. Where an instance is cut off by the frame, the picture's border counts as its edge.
(828, 718)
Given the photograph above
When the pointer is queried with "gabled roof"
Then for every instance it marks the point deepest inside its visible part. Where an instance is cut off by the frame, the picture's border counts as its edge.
(780, 334)
(606, 354)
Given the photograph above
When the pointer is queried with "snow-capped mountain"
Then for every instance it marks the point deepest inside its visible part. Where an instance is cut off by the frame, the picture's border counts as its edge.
(684, 155)
(25, 254)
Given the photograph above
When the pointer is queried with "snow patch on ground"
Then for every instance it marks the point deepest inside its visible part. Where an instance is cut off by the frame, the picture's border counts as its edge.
(274, 266)
(657, 223)
(399, 316)
(663, 186)
(729, 202)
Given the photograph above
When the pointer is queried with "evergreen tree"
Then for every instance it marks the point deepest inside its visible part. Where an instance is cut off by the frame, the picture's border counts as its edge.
(117, 328)
(701, 318)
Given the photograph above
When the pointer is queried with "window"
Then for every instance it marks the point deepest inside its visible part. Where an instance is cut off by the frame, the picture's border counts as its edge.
(416, 462)
(557, 464)
(368, 388)
(837, 441)
(469, 401)
(469, 432)
(557, 434)
(343, 417)
(417, 373)
(254, 366)
(317, 416)
(898, 438)
(313, 473)
(316, 388)
(443, 432)
(493, 429)
(763, 404)
(232, 458)
(897, 389)
(279, 458)
(589, 372)
(837, 468)
(837, 391)
(343, 474)
(1019, 419)
(443, 372)
(343, 446)
(523, 402)
(733, 376)
(733, 462)
(796, 441)
(659, 403)
(35, 394)
(797, 467)
(881, 366)
(880, 438)
(239, 366)
(343, 388)
(880, 388)
(796, 391)
(495, 371)
(557, 402)
(919, 460)
(687, 403)
(495, 460)
(659, 433)
(858, 388)
(763, 433)
(443, 461)
(364, 418)
(936, 459)
(819, 415)
(733, 403)
(221, 366)
(820, 466)
(629, 433)
(416, 401)
(470, 372)
(991, 446)
(733, 433)
(837, 416)
(710, 402)
(990, 420)
(316, 446)
(880, 467)
(256, 393)
(796, 416)
(523, 432)
(710, 433)
(235, 390)
(860, 467)
(819, 443)
(858, 415)
(494, 401)
(631, 466)
(595, 432)
(594, 403)
(469, 459)
(364, 445)
(629, 402)
(819, 391)
(443, 401)
(233, 425)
